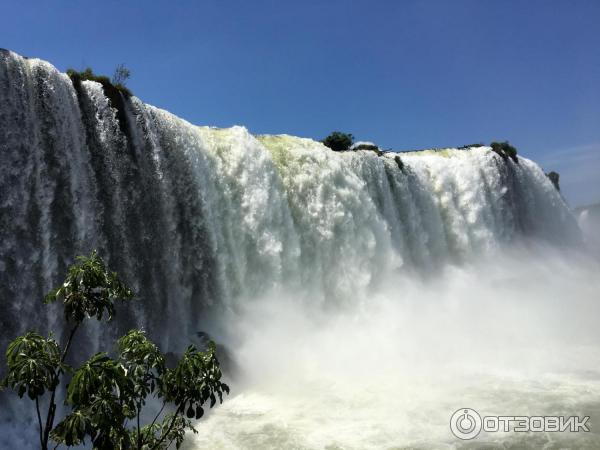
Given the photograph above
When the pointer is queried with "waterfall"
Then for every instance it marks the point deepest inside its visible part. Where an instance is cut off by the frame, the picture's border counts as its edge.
(200, 220)
(197, 218)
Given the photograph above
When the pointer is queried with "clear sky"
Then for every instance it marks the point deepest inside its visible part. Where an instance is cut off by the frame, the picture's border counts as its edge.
(404, 74)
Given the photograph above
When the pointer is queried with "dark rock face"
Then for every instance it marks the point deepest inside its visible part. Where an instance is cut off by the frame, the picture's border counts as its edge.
(505, 151)
(554, 178)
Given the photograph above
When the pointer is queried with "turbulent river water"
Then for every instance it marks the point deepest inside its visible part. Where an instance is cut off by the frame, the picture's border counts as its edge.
(360, 299)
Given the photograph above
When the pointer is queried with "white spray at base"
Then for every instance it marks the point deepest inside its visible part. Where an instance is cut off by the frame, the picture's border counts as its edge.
(303, 261)
(513, 335)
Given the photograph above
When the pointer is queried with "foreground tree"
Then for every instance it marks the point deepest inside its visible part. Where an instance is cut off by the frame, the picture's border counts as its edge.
(107, 395)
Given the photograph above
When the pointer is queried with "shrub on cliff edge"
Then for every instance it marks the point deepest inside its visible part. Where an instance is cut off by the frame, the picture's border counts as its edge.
(338, 141)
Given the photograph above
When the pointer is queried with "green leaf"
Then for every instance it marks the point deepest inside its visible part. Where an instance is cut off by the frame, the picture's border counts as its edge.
(89, 290)
(72, 429)
(33, 364)
(190, 412)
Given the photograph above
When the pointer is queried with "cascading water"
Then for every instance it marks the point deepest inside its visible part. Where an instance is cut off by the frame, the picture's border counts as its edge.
(308, 264)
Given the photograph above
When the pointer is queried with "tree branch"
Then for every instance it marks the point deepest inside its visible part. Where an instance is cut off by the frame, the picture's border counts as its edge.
(139, 435)
(69, 341)
(155, 419)
(52, 406)
(39, 417)
(169, 429)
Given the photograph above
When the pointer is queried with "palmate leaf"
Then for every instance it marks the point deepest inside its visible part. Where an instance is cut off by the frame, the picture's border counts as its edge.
(101, 393)
(89, 290)
(194, 381)
(33, 362)
(99, 375)
(143, 362)
(72, 429)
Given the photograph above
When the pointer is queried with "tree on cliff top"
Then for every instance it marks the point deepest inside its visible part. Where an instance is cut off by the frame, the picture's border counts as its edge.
(107, 395)
(121, 75)
(338, 141)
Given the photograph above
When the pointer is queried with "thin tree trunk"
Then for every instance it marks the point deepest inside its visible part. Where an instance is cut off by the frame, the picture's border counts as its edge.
(39, 417)
(139, 435)
(52, 406)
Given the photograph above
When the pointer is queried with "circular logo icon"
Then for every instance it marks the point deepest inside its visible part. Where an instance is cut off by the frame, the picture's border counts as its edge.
(465, 423)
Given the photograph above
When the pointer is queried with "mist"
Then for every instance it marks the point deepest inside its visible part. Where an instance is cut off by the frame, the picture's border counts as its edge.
(516, 334)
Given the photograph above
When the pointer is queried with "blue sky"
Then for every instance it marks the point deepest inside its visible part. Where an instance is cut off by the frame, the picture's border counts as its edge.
(404, 74)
